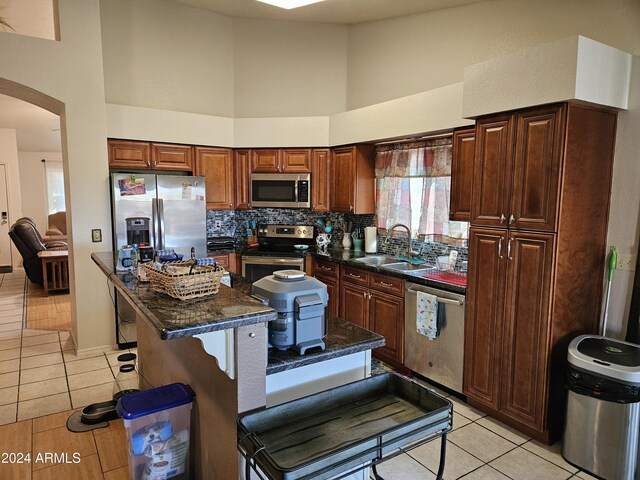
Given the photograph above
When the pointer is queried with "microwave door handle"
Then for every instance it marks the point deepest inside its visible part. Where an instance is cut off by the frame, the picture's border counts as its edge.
(295, 191)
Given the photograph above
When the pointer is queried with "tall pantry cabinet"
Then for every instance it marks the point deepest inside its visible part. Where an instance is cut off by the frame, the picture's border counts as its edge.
(537, 246)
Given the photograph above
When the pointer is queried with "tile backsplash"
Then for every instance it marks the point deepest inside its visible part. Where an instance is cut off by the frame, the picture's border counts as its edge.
(232, 223)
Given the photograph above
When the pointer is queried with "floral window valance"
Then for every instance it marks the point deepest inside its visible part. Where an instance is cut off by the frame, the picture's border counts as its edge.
(427, 158)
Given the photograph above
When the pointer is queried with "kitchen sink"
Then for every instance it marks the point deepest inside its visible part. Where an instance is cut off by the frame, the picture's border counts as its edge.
(406, 266)
(377, 260)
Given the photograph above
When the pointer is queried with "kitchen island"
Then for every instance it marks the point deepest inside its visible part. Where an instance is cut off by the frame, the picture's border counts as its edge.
(217, 344)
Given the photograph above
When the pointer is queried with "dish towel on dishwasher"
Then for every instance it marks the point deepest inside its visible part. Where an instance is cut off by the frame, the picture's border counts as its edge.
(428, 315)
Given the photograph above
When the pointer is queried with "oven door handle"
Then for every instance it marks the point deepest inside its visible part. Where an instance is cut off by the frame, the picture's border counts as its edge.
(271, 260)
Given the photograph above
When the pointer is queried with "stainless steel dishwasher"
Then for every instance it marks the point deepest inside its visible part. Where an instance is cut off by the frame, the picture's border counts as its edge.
(441, 359)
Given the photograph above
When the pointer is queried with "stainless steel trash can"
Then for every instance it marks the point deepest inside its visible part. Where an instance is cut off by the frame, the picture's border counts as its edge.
(603, 407)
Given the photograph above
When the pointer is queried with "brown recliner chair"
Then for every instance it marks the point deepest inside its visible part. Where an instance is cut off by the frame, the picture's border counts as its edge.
(28, 241)
(57, 227)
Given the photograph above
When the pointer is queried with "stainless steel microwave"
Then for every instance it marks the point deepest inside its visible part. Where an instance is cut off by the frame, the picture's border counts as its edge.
(281, 190)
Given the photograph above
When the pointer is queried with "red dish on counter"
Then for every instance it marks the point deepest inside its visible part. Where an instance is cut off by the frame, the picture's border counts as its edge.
(448, 277)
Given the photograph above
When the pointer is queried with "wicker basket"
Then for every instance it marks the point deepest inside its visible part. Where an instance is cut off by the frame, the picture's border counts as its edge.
(184, 280)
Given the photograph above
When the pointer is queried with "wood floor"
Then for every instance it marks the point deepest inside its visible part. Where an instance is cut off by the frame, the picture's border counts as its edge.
(99, 454)
(51, 312)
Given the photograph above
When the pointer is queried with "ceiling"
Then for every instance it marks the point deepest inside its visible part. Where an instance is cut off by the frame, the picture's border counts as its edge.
(329, 11)
(38, 130)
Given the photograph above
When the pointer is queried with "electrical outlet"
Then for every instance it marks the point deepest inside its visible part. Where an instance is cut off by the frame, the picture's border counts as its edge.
(626, 262)
(96, 235)
(217, 224)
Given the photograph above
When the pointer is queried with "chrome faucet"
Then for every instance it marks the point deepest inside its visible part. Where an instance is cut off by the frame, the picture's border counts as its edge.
(410, 253)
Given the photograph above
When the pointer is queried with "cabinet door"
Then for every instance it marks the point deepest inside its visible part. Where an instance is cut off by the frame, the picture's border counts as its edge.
(333, 289)
(128, 154)
(296, 160)
(222, 261)
(216, 166)
(354, 304)
(484, 315)
(536, 168)
(386, 317)
(492, 171)
(265, 160)
(526, 327)
(343, 174)
(320, 180)
(242, 179)
(172, 157)
(462, 174)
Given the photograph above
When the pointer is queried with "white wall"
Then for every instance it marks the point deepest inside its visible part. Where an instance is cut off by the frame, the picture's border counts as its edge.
(9, 157)
(159, 54)
(30, 17)
(286, 69)
(66, 78)
(33, 185)
(394, 58)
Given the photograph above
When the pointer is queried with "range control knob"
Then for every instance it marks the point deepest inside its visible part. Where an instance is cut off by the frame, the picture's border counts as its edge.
(304, 231)
(299, 232)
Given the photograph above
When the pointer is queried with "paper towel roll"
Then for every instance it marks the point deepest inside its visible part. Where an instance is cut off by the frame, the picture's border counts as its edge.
(370, 239)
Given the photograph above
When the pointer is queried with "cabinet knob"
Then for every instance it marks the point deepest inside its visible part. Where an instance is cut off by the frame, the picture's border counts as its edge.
(252, 335)
(502, 218)
(512, 219)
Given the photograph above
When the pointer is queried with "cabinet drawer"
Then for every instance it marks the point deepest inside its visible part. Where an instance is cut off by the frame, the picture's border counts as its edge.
(355, 275)
(386, 283)
(222, 261)
(327, 268)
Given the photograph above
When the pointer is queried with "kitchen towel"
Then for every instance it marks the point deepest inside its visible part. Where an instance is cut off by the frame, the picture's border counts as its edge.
(428, 315)
(370, 239)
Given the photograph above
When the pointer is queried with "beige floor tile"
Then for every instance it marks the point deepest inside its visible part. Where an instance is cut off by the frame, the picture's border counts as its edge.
(39, 374)
(113, 357)
(551, 453)
(52, 421)
(8, 413)
(16, 437)
(8, 327)
(10, 354)
(41, 360)
(458, 462)
(10, 344)
(9, 379)
(118, 474)
(86, 365)
(10, 365)
(62, 440)
(87, 469)
(11, 335)
(30, 332)
(11, 301)
(503, 430)
(67, 344)
(485, 473)
(459, 421)
(40, 349)
(462, 408)
(112, 449)
(73, 356)
(404, 467)
(10, 312)
(480, 442)
(44, 388)
(40, 339)
(89, 395)
(64, 335)
(43, 406)
(585, 475)
(524, 465)
(89, 379)
(117, 424)
(8, 395)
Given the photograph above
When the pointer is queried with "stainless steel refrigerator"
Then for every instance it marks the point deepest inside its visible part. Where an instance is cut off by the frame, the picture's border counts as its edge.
(164, 211)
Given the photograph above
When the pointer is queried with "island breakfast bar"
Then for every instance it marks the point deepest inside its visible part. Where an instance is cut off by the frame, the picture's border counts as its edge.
(217, 345)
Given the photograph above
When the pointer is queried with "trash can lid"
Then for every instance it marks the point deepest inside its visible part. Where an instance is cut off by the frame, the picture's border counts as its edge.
(607, 357)
(143, 403)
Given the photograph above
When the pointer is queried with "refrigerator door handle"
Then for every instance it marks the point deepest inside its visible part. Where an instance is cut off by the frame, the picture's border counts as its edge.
(154, 223)
(161, 223)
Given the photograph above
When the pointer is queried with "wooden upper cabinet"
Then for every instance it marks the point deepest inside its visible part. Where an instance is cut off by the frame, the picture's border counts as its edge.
(526, 327)
(216, 165)
(320, 179)
(172, 157)
(484, 316)
(296, 160)
(129, 154)
(462, 174)
(242, 179)
(265, 160)
(492, 170)
(353, 180)
(536, 168)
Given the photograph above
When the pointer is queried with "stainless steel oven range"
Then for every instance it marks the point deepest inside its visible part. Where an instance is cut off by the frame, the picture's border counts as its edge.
(277, 250)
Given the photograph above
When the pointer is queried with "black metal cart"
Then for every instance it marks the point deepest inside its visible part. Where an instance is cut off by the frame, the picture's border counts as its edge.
(337, 432)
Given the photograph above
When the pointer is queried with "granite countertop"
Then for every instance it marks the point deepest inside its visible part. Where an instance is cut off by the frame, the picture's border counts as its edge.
(348, 257)
(343, 338)
(229, 308)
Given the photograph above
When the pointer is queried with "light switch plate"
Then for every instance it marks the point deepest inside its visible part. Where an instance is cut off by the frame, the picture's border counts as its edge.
(96, 235)
(626, 262)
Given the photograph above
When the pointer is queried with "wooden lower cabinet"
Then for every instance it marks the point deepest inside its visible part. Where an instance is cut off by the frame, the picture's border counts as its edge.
(354, 304)
(508, 320)
(386, 317)
(333, 289)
